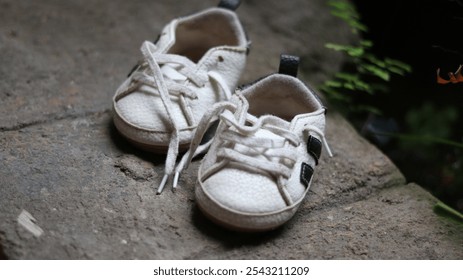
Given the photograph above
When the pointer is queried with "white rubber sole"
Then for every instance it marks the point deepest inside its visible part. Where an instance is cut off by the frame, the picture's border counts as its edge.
(140, 137)
(241, 221)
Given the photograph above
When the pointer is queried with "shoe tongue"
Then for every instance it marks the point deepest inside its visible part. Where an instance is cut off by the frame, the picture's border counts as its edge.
(169, 70)
(264, 133)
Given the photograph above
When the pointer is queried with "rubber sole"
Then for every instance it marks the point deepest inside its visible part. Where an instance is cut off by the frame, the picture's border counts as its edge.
(242, 222)
(157, 149)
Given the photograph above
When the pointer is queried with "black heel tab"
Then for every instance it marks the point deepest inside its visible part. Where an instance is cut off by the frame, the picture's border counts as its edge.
(229, 4)
(289, 65)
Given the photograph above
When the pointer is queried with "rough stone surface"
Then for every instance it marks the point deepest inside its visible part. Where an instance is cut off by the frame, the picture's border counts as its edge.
(93, 194)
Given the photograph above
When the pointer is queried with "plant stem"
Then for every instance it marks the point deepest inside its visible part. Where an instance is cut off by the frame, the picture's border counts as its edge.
(422, 138)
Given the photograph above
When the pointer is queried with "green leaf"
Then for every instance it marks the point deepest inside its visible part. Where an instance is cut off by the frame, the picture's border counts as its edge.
(341, 5)
(363, 86)
(373, 59)
(358, 25)
(352, 82)
(346, 76)
(366, 43)
(333, 84)
(347, 12)
(350, 50)
(344, 6)
(336, 47)
(393, 62)
(350, 86)
(341, 14)
(396, 70)
(389, 65)
(376, 71)
(355, 52)
(444, 210)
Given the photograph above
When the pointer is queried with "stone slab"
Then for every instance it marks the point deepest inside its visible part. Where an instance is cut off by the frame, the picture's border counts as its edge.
(72, 188)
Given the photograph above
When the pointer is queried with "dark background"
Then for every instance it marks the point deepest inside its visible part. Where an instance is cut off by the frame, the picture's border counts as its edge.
(427, 35)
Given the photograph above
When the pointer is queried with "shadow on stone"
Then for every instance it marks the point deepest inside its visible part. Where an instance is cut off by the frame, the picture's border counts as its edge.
(126, 147)
(2, 253)
(228, 237)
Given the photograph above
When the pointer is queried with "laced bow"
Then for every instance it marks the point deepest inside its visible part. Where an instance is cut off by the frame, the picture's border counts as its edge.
(270, 155)
(174, 75)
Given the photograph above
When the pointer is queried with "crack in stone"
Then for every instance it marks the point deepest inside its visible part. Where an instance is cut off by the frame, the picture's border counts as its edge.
(132, 174)
(360, 193)
(52, 119)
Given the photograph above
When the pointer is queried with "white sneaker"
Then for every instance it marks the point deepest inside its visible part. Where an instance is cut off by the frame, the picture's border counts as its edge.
(260, 164)
(195, 63)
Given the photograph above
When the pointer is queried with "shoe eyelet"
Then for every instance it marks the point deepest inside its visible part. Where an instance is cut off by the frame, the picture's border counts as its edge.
(220, 58)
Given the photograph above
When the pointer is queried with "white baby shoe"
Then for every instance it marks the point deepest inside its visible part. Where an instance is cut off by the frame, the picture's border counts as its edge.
(260, 164)
(195, 63)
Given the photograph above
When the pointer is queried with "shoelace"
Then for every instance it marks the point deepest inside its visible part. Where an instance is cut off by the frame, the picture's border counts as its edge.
(268, 155)
(167, 83)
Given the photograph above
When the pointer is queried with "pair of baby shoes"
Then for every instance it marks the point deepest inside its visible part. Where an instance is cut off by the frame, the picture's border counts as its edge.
(269, 134)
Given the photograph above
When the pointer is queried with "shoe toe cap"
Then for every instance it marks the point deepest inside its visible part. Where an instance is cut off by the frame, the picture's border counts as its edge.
(244, 191)
(142, 118)
(143, 111)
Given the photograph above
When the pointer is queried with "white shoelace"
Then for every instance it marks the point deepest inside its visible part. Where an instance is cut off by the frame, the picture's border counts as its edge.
(268, 155)
(169, 74)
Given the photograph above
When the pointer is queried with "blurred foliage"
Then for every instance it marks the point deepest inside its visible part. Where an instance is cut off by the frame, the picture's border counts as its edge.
(347, 12)
(429, 150)
(431, 125)
(369, 74)
(444, 210)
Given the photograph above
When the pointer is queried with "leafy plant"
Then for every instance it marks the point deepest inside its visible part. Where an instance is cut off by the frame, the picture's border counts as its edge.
(430, 151)
(430, 122)
(346, 11)
(369, 74)
(427, 126)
